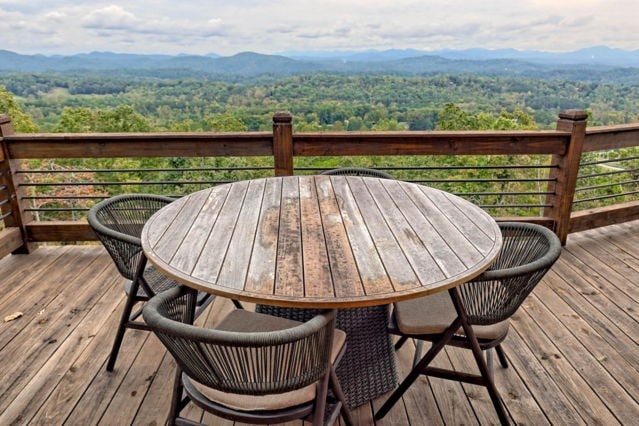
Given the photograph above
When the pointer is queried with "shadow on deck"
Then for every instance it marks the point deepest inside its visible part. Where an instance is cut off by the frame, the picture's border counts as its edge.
(572, 347)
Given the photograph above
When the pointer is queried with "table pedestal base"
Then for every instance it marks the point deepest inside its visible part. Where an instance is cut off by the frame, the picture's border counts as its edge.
(367, 369)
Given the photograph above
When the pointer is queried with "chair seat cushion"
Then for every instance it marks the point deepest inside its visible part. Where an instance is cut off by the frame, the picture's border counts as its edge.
(241, 320)
(433, 314)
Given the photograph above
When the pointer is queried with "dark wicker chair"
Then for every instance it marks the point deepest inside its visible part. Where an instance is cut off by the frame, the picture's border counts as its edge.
(118, 222)
(528, 252)
(251, 367)
(358, 171)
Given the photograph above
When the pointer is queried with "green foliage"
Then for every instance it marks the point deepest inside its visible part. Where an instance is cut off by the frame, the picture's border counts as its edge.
(453, 118)
(123, 118)
(225, 122)
(20, 121)
(318, 101)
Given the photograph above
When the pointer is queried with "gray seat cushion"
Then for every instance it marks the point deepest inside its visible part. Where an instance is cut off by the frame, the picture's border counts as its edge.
(433, 314)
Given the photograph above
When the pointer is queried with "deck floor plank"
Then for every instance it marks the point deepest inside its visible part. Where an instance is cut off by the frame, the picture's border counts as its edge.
(572, 347)
(43, 386)
(46, 330)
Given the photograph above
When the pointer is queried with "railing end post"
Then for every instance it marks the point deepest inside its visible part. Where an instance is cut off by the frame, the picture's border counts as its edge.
(4, 119)
(573, 114)
(282, 117)
(565, 175)
(283, 143)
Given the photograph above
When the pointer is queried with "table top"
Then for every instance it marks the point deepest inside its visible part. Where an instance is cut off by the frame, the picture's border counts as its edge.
(321, 241)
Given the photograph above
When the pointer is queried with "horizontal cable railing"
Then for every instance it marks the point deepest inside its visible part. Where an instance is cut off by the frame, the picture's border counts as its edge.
(607, 177)
(43, 187)
(502, 189)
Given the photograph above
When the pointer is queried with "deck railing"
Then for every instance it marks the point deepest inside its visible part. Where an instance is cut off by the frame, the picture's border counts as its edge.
(537, 176)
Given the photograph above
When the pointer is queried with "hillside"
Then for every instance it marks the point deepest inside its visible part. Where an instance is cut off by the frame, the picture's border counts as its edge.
(595, 64)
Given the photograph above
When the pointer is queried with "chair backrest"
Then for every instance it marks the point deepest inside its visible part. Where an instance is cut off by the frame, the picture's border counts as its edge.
(358, 171)
(118, 222)
(527, 253)
(255, 363)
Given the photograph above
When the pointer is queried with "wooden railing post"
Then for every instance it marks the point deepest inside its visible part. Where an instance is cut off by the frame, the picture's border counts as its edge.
(12, 210)
(573, 121)
(283, 143)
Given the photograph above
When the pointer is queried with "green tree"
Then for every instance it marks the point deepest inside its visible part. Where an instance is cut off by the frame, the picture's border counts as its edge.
(225, 122)
(123, 118)
(21, 121)
(76, 120)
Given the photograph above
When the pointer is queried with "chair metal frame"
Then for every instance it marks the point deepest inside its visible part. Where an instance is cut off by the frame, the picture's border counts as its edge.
(528, 252)
(118, 222)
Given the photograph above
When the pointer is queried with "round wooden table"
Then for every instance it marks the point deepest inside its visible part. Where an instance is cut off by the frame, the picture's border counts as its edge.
(323, 242)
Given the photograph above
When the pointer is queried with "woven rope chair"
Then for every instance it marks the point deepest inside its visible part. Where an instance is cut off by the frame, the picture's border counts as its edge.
(527, 253)
(118, 222)
(358, 171)
(251, 367)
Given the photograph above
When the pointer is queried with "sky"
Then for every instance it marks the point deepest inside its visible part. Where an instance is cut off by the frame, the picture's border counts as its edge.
(227, 27)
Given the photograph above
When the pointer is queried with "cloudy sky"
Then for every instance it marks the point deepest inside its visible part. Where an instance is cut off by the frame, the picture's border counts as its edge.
(230, 26)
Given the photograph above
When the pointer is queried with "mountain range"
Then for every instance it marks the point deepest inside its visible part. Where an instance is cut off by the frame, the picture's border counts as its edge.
(595, 63)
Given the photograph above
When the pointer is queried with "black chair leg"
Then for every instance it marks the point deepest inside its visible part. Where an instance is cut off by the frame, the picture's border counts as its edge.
(502, 356)
(419, 345)
(479, 358)
(400, 342)
(176, 398)
(418, 369)
(122, 326)
(339, 393)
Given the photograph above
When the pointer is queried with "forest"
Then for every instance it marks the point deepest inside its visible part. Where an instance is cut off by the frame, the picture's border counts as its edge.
(85, 102)
(63, 102)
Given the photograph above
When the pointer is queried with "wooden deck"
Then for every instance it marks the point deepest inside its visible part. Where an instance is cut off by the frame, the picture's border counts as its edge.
(573, 348)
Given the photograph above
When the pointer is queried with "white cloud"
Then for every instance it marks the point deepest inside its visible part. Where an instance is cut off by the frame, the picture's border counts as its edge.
(230, 26)
(112, 17)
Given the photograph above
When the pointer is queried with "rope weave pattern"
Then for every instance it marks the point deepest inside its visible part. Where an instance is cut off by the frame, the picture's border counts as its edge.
(528, 252)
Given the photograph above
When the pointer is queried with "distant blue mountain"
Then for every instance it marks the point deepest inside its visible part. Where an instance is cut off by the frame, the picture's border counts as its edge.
(599, 55)
(592, 64)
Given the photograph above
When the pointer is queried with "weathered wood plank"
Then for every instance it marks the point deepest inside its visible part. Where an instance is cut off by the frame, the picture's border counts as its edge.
(603, 216)
(559, 316)
(568, 379)
(10, 240)
(72, 365)
(547, 393)
(429, 143)
(261, 272)
(289, 276)
(371, 269)
(46, 330)
(237, 259)
(346, 279)
(593, 286)
(317, 271)
(618, 268)
(113, 145)
(614, 396)
(40, 232)
(31, 299)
